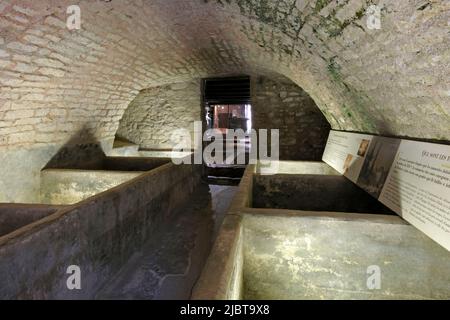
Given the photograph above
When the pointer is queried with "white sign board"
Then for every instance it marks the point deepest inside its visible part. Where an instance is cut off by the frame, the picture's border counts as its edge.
(418, 188)
(411, 178)
(345, 152)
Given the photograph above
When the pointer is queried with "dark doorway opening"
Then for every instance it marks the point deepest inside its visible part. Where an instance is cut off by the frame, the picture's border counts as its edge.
(227, 104)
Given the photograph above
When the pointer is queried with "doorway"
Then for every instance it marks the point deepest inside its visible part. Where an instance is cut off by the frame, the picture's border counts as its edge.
(228, 111)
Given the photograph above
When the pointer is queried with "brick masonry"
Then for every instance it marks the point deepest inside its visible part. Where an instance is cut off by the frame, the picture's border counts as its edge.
(56, 82)
(280, 104)
(59, 86)
(154, 116)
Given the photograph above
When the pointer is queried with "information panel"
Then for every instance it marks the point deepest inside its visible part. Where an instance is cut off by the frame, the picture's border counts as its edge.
(418, 188)
(345, 152)
(409, 177)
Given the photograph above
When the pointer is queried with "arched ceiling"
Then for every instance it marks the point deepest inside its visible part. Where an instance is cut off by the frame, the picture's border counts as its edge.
(57, 83)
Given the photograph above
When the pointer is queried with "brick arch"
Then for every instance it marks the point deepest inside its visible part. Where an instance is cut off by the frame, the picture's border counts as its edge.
(55, 81)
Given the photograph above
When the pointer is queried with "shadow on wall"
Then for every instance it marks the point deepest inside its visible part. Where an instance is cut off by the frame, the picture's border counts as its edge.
(78, 155)
(21, 167)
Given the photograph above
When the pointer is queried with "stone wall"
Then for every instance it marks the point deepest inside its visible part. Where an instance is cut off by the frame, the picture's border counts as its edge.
(322, 256)
(65, 187)
(312, 192)
(281, 104)
(15, 216)
(292, 254)
(54, 81)
(21, 167)
(99, 235)
(156, 113)
(57, 83)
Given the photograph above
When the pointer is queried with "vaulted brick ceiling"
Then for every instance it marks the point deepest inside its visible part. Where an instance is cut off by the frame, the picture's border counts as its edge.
(56, 82)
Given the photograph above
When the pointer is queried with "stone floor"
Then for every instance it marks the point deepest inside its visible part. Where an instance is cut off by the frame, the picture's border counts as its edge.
(169, 265)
